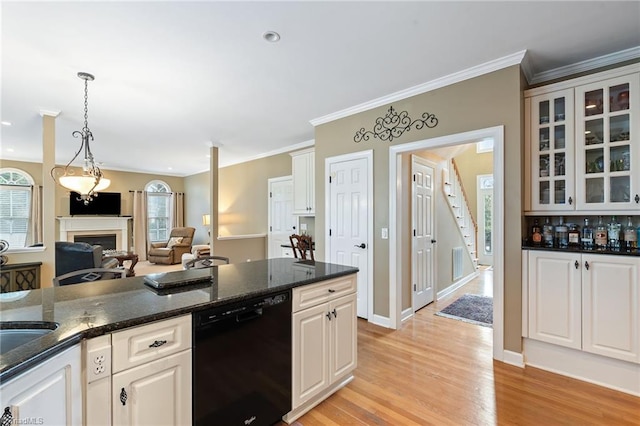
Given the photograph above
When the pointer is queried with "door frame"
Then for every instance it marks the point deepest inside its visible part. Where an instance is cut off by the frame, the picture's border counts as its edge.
(269, 182)
(434, 272)
(367, 155)
(396, 217)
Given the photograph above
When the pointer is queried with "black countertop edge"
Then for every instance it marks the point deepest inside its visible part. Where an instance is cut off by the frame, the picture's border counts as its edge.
(39, 350)
(583, 251)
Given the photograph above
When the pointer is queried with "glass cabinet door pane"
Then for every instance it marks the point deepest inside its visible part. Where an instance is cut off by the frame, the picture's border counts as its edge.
(558, 133)
(594, 190)
(593, 102)
(544, 139)
(595, 161)
(558, 109)
(559, 191)
(544, 192)
(559, 166)
(619, 97)
(619, 128)
(544, 112)
(544, 165)
(619, 159)
(620, 189)
(593, 132)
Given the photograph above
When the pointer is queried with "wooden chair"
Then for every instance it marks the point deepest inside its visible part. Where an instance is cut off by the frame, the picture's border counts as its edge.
(206, 262)
(302, 246)
(89, 275)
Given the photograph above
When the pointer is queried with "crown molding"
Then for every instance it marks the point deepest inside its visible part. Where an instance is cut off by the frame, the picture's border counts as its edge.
(49, 112)
(478, 70)
(283, 150)
(586, 65)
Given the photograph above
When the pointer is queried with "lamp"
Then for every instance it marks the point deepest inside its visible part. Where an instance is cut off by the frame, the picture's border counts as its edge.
(91, 180)
(206, 221)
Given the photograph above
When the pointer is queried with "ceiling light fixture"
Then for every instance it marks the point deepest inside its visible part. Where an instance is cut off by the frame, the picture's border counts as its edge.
(91, 181)
(271, 36)
(6, 123)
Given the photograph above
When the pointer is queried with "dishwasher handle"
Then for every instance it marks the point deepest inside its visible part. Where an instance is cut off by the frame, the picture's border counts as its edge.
(248, 316)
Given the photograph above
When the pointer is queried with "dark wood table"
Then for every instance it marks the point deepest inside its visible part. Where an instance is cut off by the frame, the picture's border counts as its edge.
(125, 255)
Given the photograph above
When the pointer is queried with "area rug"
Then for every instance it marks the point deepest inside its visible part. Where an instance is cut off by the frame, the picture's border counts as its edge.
(471, 308)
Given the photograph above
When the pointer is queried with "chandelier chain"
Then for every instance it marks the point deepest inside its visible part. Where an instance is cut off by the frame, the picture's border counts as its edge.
(86, 105)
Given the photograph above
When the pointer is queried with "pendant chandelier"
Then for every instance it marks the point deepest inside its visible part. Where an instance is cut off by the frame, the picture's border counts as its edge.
(91, 181)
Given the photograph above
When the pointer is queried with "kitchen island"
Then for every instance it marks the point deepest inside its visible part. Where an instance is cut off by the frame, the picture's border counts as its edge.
(84, 312)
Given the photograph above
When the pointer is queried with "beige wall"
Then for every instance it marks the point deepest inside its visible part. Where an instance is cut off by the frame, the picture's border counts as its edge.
(470, 165)
(490, 100)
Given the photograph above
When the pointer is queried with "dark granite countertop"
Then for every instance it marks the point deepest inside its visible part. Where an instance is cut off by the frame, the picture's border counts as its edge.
(90, 310)
(635, 252)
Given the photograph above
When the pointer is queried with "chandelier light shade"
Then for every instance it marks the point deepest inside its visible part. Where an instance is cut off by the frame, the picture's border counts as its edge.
(91, 180)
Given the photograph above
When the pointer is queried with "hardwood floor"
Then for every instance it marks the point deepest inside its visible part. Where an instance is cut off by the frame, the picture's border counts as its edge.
(439, 371)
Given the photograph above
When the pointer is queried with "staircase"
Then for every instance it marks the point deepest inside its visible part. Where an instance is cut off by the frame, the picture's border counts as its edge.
(459, 205)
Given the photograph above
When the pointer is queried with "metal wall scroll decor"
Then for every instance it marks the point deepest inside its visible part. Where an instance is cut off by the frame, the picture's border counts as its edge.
(393, 125)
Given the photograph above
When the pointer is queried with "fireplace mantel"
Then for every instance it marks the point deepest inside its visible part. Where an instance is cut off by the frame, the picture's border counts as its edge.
(96, 225)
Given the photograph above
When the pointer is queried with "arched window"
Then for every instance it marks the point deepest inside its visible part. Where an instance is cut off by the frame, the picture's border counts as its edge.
(15, 206)
(158, 210)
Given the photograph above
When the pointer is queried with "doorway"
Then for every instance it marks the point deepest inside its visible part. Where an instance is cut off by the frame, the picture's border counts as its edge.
(282, 222)
(397, 240)
(349, 220)
(485, 219)
(422, 239)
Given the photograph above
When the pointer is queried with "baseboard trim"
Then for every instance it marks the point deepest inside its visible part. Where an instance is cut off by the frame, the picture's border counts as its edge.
(513, 358)
(381, 321)
(406, 314)
(456, 285)
(600, 370)
(293, 415)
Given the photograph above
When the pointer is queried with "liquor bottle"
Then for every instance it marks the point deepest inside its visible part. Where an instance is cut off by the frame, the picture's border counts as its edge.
(613, 233)
(630, 236)
(562, 234)
(536, 234)
(601, 235)
(587, 235)
(547, 233)
(574, 235)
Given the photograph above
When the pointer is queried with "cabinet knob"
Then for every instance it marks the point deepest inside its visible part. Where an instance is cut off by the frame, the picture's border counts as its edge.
(157, 343)
(335, 314)
(7, 417)
(586, 265)
(123, 396)
(331, 290)
(577, 265)
(328, 315)
(637, 198)
(570, 200)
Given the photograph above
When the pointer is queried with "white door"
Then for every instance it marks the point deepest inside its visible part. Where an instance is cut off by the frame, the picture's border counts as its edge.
(422, 240)
(485, 219)
(349, 222)
(281, 219)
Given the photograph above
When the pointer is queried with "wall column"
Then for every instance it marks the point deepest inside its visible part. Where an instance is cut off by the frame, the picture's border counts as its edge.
(48, 197)
(213, 201)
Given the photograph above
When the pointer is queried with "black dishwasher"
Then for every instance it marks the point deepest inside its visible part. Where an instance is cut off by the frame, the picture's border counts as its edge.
(242, 362)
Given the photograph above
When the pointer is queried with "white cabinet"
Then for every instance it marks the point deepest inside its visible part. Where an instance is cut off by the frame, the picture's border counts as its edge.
(589, 302)
(555, 298)
(303, 171)
(610, 305)
(583, 141)
(151, 382)
(324, 341)
(50, 393)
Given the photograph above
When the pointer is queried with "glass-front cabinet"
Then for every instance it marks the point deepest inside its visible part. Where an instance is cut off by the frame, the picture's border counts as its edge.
(583, 138)
(552, 151)
(607, 145)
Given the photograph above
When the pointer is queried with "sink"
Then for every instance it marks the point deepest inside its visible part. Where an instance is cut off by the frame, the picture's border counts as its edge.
(17, 333)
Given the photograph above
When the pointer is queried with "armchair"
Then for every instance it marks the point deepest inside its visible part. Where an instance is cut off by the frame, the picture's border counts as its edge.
(75, 256)
(170, 252)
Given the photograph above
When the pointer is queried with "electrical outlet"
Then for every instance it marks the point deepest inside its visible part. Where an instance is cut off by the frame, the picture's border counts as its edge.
(99, 360)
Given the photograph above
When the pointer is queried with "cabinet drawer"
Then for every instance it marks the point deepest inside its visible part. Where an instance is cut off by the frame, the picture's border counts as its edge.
(140, 345)
(314, 294)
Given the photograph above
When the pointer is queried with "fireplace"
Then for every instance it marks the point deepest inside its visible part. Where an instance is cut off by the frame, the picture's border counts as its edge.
(107, 241)
(88, 228)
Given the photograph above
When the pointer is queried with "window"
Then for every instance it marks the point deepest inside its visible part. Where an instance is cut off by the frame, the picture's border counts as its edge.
(15, 206)
(158, 209)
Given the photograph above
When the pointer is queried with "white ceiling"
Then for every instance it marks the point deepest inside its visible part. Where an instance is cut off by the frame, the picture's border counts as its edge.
(174, 77)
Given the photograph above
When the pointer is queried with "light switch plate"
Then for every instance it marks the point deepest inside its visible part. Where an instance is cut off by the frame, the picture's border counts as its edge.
(385, 233)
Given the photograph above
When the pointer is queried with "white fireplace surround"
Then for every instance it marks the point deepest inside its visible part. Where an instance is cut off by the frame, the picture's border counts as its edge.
(70, 226)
